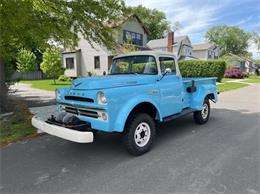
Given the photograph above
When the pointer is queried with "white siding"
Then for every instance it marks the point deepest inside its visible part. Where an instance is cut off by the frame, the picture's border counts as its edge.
(87, 52)
(87, 58)
(201, 54)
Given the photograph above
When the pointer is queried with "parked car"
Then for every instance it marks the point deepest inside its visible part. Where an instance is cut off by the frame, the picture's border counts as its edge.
(142, 89)
(234, 72)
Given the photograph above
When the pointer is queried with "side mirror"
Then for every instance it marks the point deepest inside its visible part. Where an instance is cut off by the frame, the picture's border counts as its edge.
(168, 70)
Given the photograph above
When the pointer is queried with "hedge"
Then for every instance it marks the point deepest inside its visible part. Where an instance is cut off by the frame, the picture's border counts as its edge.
(203, 68)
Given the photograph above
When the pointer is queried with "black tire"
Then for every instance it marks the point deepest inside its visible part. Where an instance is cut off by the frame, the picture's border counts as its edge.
(199, 116)
(130, 141)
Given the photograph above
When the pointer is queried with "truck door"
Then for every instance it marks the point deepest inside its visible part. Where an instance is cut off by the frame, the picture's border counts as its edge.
(170, 87)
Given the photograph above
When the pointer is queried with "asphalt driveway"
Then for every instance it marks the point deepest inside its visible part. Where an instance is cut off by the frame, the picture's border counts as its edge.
(33, 97)
(219, 157)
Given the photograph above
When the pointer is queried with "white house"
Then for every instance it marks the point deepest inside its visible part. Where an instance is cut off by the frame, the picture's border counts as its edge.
(244, 64)
(86, 59)
(179, 45)
(206, 51)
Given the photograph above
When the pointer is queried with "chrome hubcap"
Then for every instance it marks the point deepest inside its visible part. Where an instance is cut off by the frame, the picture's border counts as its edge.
(142, 134)
(205, 111)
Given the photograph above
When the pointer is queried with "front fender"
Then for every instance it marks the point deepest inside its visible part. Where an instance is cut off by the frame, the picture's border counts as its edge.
(128, 107)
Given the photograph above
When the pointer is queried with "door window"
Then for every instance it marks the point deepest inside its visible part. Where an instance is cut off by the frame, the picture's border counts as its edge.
(167, 62)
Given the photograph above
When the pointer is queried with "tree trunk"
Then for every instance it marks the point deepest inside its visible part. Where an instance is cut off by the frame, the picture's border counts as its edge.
(3, 88)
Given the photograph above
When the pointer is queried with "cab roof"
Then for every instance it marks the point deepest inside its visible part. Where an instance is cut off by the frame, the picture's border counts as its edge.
(149, 52)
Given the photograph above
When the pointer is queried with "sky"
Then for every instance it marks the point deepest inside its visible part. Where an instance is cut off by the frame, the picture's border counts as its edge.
(197, 16)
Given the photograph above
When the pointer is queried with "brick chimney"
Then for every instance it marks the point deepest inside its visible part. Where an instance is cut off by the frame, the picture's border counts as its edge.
(170, 42)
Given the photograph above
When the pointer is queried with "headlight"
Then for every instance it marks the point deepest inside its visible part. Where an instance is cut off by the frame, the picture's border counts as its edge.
(57, 94)
(101, 98)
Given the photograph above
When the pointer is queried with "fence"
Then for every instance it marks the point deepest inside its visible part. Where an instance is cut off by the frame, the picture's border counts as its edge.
(37, 75)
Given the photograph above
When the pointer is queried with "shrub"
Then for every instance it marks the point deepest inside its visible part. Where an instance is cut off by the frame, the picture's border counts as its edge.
(233, 73)
(51, 64)
(203, 68)
(26, 61)
(245, 74)
(64, 78)
(90, 74)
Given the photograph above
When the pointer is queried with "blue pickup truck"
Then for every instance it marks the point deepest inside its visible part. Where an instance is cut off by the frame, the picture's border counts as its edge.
(142, 88)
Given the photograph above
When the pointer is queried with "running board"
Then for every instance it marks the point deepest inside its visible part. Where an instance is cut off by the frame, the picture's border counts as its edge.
(174, 116)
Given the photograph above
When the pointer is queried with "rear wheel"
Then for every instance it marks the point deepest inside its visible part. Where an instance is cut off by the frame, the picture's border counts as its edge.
(139, 134)
(202, 116)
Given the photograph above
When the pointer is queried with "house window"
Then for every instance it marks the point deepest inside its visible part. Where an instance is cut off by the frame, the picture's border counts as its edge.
(132, 38)
(216, 55)
(209, 54)
(69, 63)
(97, 62)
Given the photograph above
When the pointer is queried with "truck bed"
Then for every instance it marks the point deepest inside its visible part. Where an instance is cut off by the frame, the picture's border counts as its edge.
(202, 84)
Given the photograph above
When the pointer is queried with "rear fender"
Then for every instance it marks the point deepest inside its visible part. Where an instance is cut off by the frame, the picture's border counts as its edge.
(204, 91)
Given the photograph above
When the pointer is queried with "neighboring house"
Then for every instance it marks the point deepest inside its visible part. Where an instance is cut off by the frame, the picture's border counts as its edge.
(244, 64)
(86, 59)
(206, 51)
(180, 45)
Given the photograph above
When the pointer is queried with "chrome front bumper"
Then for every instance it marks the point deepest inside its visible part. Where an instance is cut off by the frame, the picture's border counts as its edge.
(62, 132)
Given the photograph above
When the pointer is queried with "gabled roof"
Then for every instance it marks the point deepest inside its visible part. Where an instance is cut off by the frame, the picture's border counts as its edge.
(150, 52)
(124, 19)
(157, 43)
(202, 46)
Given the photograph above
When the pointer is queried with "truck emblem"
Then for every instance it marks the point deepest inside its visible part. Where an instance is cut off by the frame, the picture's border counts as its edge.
(154, 92)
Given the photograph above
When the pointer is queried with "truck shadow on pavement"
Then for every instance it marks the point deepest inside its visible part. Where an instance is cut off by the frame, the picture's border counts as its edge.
(179, 143)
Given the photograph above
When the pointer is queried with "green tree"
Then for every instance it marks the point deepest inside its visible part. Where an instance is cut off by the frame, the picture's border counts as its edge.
(231, 60)
(176, 26)
(24, 23)
(154, 20)
(26, 61)
(230, 39)
(256, 37)
(51, 64)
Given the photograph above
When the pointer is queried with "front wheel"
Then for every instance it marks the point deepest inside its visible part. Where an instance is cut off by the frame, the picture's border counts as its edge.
(202, 116)
(139, 134)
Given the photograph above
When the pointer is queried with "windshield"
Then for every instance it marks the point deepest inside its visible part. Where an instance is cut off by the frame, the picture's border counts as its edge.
(134, 65)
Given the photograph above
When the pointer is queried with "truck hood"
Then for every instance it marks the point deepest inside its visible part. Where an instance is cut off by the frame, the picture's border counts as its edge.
(111, 81)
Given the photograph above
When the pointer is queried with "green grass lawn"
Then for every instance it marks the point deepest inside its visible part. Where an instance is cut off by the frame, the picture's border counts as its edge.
(225, 86)
(253, 79)
(250, 79)
(17, 126)
(230, 86)
(227, 79)
(47, 84)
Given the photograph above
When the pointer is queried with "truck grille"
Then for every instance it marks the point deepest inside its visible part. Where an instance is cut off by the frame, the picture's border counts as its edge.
(88, 113)
(77, 98)
(81, 112)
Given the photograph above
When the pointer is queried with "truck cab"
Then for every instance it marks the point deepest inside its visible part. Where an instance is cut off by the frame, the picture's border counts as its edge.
(141, 89)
